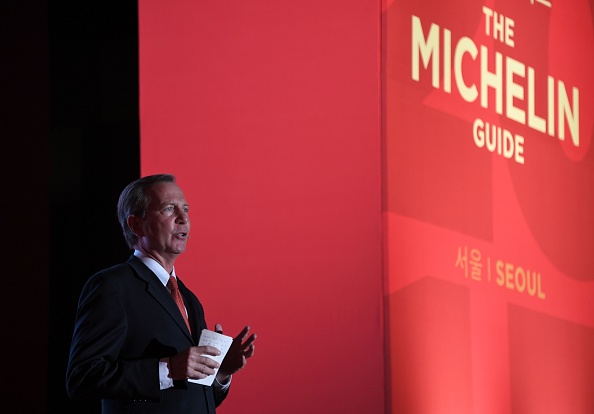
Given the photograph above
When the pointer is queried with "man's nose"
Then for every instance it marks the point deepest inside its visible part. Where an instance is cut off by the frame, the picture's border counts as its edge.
(182, 217)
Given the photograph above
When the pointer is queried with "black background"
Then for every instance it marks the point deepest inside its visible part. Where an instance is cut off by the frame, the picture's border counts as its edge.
(70, 143)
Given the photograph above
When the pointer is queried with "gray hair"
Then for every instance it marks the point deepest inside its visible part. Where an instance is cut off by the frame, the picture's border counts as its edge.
(134, 201)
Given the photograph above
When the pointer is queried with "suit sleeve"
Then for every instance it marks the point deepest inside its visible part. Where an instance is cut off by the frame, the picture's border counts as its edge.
(95, 369)
(220, 393)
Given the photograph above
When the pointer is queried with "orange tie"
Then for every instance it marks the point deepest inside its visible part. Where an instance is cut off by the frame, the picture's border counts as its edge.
(174, 290)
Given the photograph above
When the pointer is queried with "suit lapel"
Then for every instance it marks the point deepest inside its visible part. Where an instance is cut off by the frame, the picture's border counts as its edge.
(155, 288)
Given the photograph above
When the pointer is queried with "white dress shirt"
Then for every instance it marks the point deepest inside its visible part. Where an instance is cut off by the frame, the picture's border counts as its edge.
(165, 380)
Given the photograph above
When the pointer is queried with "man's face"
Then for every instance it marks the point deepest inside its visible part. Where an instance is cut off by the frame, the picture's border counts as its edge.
(166, 228)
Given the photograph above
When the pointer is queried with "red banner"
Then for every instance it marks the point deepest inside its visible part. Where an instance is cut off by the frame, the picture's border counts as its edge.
(489, 113)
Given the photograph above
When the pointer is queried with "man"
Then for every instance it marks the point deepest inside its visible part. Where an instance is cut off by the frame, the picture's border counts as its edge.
(132, 346)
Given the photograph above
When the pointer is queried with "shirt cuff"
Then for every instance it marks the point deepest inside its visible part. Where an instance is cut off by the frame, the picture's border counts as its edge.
(165, 380)
(222, 387)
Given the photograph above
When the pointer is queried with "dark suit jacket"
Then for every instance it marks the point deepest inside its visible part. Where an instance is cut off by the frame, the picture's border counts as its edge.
(126, 322)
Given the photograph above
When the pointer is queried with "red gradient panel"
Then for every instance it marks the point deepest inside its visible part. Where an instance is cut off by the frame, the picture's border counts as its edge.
(269, 115)
(552, 364)
(430, 348)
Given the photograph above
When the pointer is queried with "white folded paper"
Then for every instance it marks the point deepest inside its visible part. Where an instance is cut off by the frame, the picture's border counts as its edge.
(219, 341)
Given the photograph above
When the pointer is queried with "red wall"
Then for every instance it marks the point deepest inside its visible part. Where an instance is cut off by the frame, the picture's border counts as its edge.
(268, 112)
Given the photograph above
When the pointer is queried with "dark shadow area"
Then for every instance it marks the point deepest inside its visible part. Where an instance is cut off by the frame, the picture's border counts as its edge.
(94, 153)
(70, 144)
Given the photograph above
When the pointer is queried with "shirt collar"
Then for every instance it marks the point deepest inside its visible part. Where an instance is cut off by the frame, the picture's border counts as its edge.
(155, 267)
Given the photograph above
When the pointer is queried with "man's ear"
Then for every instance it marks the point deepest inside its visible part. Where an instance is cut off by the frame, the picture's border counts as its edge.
(135, 225)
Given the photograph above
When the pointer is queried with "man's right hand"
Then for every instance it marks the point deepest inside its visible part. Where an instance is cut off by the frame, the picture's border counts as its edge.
(193, 363)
